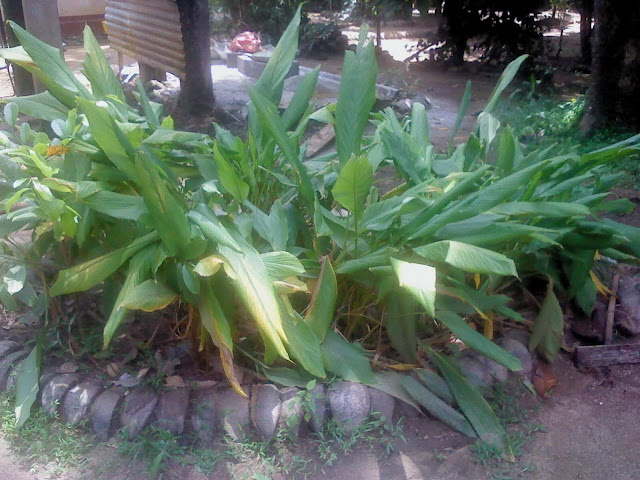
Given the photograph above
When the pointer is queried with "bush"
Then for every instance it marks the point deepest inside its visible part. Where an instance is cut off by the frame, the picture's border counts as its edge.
(305, 266)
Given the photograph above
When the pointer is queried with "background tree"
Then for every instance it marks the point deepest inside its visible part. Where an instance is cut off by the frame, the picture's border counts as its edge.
(614, 94)
(196, 92)
(12, 10)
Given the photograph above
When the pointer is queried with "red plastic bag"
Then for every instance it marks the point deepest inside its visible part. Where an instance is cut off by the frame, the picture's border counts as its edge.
(245, 42)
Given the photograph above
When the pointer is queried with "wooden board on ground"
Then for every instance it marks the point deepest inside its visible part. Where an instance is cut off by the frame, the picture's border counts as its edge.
(320, 140)
(604, 355)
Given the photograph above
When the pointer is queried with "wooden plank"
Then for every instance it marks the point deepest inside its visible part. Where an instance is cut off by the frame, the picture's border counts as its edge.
(603, 355)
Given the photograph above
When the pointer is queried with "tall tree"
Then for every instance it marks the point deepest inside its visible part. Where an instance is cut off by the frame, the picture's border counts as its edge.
(12, 10)
(196, 92)
(585, 7)
(614, 93)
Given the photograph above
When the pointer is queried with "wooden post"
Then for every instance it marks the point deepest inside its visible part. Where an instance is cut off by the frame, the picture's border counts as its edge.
(42, 20)
(12, 10)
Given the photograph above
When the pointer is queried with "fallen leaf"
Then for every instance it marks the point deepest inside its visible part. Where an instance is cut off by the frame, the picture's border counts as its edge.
(544, 380)
(205, 384)
(175, 381)
(127, 380)
(142, 372)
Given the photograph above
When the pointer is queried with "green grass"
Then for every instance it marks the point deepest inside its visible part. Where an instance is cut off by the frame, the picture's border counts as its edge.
(42, 441)
(509, 402)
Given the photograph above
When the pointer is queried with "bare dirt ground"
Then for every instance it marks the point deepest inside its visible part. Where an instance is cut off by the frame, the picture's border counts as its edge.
(591, 417)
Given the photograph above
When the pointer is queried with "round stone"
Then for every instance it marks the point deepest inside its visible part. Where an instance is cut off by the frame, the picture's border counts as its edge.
(6, 364)
(172, 410)
(519, 351)
(7, 346)
(137, 409)
(518, 335)
(54, 391)
(350, 404)
(204, 415)
(318, 405)
(382, 405)
(78, 400)
(103, 411)
(265, 409)
(291, 411)
(474, 371)
(233, 413)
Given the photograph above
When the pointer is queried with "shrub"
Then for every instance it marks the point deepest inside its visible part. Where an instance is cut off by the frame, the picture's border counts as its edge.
(298, 258)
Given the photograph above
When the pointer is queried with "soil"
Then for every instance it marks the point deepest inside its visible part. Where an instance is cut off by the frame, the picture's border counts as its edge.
(591, 417)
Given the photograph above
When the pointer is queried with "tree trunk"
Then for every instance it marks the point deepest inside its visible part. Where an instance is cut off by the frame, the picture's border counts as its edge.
(12, 10)
(457, 37)
(196, 92)
(586, 19)
(614, 94)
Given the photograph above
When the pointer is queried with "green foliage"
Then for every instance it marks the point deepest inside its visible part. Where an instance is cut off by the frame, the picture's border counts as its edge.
(300, 258)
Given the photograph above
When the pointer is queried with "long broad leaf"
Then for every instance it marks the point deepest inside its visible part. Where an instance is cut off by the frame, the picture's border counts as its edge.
(419, 280)
(353, 184)
(548, 331)
(148, 296)
(464, 106)
(302, 97)
(356, 98)
(98, 70)
(216, 324)
(436, 407)
(401, 323)
(251, 280)
(504, 81)
(473, 405)
(271, 82)
(322, 305)
(86, 275)
(27, 385)
(468, 258)
(42, 105)
(346, 360)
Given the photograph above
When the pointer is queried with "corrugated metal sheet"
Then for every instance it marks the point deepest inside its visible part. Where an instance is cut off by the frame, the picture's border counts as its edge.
(149, 31)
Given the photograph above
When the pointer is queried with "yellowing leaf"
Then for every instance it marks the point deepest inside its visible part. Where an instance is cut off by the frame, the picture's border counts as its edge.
(56, 150)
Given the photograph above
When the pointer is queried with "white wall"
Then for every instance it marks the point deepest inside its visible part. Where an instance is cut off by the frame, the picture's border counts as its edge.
(75, 8)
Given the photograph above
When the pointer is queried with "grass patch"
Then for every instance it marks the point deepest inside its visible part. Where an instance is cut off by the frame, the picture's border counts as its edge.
(44, 442)
(514, 411)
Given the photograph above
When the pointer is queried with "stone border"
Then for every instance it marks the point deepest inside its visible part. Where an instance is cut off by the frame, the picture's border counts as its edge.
(209, 412)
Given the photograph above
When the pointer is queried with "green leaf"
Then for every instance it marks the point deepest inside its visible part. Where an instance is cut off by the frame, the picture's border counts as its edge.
(420, 125)
(274, 227)
(542, 209)
(149, 112)
(548, 331)
(166, 211)
(356, 98)
(505, 79)
(209, 266)
(302, 97)
(436, 384)
(271, 82)
(391, 383)
(229, 179)
(477, 341)
(419, 280)
(50, 62)
(117, 205)
(488, 127)
(353, 184)
(437, 407)
(162, 136)
(468, 258)
(11, 111)
(401, 324)
(281, 265)
(14, 279)
(506, 150)
(98, 70)
(464, 106)
(304, 346)
(323, 301)
(211, 227)
(149, 296)
(110, 138)
(138, 268)
(346, 360)
(473, 405)
(253, 286)
(27, 385)
(88, 274)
